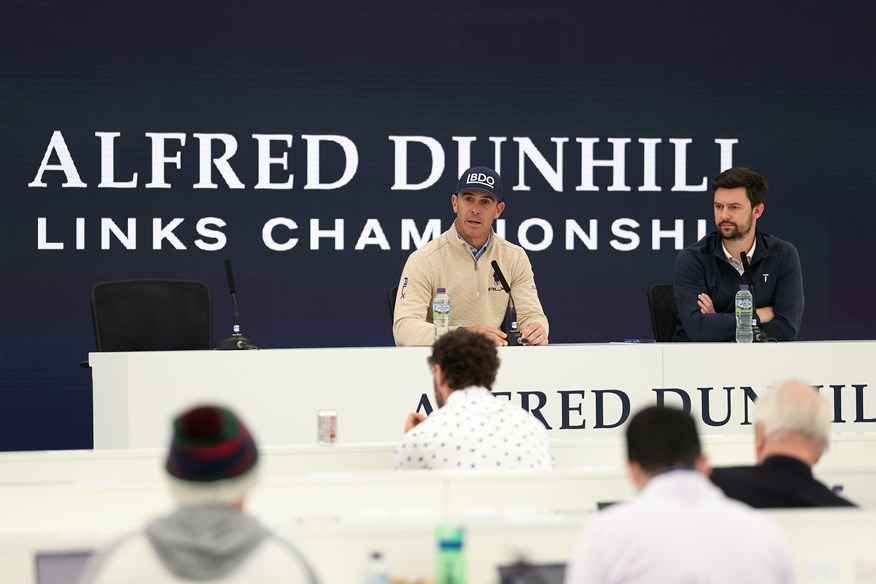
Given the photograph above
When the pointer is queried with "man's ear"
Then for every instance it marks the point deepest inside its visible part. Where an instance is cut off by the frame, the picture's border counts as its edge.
(704, 466)
(438, 372)
(637, 475)
(759, 442)
(499, 208)
(453, 200)
(758, 210)
(440, 383)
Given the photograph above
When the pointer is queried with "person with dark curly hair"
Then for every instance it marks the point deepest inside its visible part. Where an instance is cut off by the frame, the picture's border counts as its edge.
(471, 428)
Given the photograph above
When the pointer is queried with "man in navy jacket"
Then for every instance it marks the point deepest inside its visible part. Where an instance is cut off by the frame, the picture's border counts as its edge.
(709, 272)
(791, 432)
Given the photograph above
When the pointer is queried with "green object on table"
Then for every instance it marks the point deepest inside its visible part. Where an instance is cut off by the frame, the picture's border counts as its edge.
(450, 560)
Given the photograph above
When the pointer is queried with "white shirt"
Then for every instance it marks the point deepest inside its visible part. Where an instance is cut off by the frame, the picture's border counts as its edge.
(736, 263)
(476, 430)
(680, 529)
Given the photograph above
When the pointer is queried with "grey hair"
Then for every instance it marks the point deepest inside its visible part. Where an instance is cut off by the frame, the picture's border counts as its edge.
(788, 409)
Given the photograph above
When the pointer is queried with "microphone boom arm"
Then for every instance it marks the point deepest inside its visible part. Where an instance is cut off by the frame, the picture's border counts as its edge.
(515, 337)
(236, 340)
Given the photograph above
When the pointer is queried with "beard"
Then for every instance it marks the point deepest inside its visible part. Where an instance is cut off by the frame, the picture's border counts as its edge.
(736, 233)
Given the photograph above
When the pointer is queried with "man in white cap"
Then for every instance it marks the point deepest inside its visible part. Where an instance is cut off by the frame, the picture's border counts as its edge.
(460, 260)
(211, 464)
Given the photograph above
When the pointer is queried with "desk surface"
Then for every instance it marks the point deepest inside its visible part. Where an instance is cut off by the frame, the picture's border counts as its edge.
(578, 390)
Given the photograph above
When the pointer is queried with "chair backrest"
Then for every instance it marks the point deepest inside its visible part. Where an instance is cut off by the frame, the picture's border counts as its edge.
(152, 315)
(391, 295)
(661, 301)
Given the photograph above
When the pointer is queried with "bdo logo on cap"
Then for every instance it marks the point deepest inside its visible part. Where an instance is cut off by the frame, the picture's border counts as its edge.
(481, 178)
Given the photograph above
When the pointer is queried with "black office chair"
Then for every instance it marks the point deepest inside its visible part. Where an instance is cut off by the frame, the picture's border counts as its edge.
(661, 302)
(152, 315)
(391, 296)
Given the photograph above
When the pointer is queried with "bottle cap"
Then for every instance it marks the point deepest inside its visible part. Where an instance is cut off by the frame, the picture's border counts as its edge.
(741, 287)
(442, 290)
(449, 536)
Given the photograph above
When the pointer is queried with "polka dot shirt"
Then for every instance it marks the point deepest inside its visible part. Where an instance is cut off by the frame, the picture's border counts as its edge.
(476, 430)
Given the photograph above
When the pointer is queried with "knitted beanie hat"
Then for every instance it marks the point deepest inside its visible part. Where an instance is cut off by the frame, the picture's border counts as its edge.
(211, 454)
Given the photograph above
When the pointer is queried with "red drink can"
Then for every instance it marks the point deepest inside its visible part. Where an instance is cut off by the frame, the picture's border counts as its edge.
(326, 427)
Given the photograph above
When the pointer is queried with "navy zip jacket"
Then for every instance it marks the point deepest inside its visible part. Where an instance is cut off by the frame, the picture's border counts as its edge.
(779, 481)
(702, 267)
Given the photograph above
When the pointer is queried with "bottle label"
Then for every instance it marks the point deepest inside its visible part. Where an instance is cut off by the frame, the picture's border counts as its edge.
(743, 305)
(441, 308)
(326, 427)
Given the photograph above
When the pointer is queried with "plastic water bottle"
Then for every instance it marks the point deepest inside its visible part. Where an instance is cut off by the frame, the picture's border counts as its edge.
(744, 303)
(450, 561)
(441, 312)
(375, 570)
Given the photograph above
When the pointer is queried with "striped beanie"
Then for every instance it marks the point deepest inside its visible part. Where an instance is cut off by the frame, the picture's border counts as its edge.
(210, 444)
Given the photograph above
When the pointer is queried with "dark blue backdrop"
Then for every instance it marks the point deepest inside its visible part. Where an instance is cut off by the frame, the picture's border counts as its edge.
(794, 89)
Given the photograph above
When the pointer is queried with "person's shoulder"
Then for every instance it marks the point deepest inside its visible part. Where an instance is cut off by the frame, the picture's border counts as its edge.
(507, 250)
(840, 501)
(117, 558)
(730, 472)
(524, 425)
(696, 254)
(513, 409)
(432, 247)
(740, 515)
(506, 246)
(619, 518)
(282, 557)
(739, 482)
(774, 244)
(706, 245)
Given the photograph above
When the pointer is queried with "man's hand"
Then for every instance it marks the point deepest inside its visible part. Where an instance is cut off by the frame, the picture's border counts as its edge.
(705, 304)
(765, 314)
(414, 420)
(495, 335)
(536, 335)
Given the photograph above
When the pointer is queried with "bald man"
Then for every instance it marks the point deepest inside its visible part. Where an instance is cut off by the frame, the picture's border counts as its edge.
(791, 432)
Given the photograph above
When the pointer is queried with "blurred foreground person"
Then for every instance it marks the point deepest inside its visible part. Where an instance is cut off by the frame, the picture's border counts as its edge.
(211, 464)
(679, 527)
(791, 432)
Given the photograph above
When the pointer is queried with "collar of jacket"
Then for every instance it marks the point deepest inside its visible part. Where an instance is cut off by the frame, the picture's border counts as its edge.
(761, 250)
(454, 239)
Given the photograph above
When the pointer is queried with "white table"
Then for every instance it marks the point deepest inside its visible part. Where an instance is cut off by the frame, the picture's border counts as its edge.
(579, 390)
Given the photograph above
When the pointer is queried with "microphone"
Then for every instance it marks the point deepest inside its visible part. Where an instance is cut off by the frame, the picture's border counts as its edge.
(514, 335)
(233, 289)
(746, 271)
(759, 336)
(236, 340)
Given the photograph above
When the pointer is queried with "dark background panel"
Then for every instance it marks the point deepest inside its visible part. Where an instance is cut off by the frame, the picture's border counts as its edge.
(791, 84)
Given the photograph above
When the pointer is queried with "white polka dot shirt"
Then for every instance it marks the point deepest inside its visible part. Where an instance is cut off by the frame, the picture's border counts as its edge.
(476, 430)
